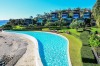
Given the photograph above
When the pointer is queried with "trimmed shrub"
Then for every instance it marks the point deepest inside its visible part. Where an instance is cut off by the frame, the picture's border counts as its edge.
(84, 36)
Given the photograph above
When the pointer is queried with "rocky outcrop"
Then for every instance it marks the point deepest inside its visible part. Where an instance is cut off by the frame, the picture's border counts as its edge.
(12, 48)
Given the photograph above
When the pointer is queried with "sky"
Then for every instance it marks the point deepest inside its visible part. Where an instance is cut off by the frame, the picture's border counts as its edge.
(14, 9)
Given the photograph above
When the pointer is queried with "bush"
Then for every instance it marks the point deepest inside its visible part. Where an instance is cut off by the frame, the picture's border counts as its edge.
(7, 27)
(80, 29)
(77, 24)
(74, 25)
(54, 28)
(94, 41)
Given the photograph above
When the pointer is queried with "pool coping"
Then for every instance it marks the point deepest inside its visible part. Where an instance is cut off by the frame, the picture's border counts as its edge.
(69, 61)
(37, 55)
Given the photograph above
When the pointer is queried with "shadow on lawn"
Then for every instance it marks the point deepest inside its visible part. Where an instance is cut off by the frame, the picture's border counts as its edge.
(87, 55)
(88, 60)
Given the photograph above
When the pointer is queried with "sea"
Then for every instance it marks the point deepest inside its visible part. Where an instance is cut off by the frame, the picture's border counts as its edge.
(3, 22)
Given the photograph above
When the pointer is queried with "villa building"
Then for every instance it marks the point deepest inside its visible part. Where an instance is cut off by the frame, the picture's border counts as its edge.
(65, 15)
(28, 21)
(76, 14)
(40, 21)
(80, 15)
(87, 15)
(54, 16)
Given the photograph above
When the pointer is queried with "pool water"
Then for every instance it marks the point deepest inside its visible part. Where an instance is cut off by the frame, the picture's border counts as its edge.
(52, 48)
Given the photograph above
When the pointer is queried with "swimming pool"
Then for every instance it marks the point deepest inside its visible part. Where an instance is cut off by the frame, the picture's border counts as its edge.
(52, 48)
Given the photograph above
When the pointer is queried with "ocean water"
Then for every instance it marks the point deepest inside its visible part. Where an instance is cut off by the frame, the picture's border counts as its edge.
(52, 48)
(3, 22)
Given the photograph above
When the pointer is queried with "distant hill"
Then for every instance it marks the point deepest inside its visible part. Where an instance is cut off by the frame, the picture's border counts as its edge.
(2, 22)
(96, 12)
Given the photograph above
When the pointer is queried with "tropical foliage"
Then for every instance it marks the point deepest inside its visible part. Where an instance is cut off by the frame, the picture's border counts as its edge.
(96, 12)
(77, 24)
(94, 41)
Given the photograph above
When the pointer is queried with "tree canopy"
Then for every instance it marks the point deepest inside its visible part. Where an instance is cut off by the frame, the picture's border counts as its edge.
(96, 12)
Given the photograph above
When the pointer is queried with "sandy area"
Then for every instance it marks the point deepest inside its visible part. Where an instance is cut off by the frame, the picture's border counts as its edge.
(18, 50)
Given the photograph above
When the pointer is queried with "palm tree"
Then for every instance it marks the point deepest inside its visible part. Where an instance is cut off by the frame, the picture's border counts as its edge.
(31, 17)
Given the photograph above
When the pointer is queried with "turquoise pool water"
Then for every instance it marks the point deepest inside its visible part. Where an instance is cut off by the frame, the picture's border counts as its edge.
(52, 48)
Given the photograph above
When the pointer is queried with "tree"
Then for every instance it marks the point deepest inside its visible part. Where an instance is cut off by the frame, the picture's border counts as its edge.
(47, 24)
(98, 21)
(74, 24)
(8, 26)
(77, 24)
(96, 12)
(12, 22)
(31, 17)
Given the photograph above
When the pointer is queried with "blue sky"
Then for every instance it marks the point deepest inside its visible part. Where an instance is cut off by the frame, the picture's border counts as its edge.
(25, 8)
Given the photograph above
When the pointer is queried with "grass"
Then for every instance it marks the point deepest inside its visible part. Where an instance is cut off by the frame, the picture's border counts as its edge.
(45, 29)
(95, 29)
(73, 31)
(74, 49)
(19, 27)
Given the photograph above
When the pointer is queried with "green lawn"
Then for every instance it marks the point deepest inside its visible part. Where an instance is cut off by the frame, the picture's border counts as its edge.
(95, 29)
(73, 31)
(74, 49)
